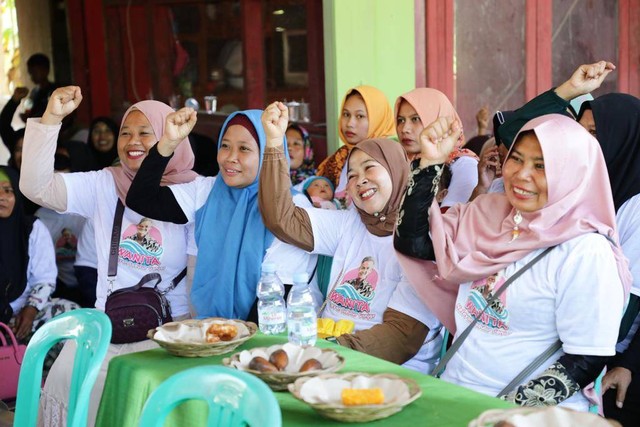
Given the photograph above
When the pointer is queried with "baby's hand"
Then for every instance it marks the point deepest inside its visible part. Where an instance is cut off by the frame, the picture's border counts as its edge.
(274, 120)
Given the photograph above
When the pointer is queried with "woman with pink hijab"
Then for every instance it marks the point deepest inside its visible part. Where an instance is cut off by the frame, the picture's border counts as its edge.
(416, 109)
(95, 195)
(573, 295)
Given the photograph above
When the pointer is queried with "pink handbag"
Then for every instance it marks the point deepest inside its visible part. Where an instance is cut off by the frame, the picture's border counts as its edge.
(11, 355)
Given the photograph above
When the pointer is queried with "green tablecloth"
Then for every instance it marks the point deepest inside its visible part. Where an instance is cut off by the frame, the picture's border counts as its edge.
(131, 378)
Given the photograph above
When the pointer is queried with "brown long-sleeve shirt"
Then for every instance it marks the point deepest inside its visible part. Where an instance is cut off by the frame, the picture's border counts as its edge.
(400, 336)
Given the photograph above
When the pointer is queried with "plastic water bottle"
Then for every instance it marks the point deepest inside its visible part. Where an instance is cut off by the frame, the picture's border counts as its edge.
(302, 321)
(272, 313)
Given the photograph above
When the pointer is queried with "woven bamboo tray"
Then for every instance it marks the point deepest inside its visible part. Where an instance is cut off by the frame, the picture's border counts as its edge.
(204, 349)
(279, 381)
(358, 414)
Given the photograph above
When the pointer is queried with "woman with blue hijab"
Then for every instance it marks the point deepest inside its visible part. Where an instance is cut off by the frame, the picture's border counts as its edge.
(231, 239)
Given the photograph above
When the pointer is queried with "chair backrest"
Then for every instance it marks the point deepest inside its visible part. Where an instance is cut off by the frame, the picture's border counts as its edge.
(235, 398)
(91, 329)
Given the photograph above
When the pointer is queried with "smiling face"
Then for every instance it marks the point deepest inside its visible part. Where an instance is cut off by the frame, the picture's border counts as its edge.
(320, 188)
(295, 144)
(369, 183)
(135, 140)
(143, 227)
(525, 181)
(409, 125)
(238, 157)
(365, 269)
(354, 121)
(7, 199)
(102, 137)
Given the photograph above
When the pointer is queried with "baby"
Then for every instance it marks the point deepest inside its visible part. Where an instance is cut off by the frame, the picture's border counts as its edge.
(319, 190)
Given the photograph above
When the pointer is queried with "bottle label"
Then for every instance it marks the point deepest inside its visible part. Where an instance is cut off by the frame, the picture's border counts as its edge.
(271, 316)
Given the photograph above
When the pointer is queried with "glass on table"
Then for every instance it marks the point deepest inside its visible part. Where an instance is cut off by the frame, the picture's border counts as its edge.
(210, 104)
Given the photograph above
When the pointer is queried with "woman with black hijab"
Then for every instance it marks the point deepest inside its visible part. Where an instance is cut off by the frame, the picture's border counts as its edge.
(27, 264)
(103, 134)
(615, 119)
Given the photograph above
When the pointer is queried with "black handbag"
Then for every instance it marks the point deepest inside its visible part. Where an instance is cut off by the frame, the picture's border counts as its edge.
(137, 309)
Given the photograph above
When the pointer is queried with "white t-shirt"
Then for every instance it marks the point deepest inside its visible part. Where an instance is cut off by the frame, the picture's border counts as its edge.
(145, 246)
(41, 269)
(366, 278)
(573, 294)
(628, 219)
(86, 256)
(497, 186)
(65, 230)
(287, 258)
(464, 178)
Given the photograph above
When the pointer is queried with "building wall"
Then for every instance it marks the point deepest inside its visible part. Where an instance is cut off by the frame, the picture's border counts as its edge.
(366, 42)
(34, 22)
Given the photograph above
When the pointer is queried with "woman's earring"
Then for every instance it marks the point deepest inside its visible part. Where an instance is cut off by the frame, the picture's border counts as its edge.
(517, 219)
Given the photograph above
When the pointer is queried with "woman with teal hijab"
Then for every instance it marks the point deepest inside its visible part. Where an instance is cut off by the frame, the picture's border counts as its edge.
(232, 241)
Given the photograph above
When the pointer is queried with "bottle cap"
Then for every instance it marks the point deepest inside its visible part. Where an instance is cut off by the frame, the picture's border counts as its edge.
(268, 267)
(302, 277)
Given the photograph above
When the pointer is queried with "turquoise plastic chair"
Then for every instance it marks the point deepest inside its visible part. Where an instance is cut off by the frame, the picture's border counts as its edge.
(91, 329)
(235, 398)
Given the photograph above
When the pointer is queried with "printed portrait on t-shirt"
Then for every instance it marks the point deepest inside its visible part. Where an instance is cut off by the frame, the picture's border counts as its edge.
(495, 319)
(357, 289)
(66, 246)
(141, 244)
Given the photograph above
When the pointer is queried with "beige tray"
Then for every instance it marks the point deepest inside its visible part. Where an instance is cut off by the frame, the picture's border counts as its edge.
(279, 381)
(204, 349)
(358, 414)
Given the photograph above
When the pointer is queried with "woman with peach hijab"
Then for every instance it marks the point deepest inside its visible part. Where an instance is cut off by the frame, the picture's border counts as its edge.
(416, 109)
(573, 296)
(95, 195)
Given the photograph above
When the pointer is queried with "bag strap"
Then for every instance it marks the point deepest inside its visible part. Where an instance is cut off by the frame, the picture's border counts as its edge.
(460, 339)
(528, 370)
(176, 280)
(10, 334)
(112, 271)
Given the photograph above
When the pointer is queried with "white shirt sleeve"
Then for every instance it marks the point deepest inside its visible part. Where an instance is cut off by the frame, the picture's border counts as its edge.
(41, 270)
(191, 196)
(38, 181)
(628, 219)
(589, 301)
(81, 187)
(327, 227)
(464, 178)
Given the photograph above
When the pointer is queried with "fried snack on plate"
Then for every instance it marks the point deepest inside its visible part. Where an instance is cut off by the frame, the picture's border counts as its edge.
(223, 331)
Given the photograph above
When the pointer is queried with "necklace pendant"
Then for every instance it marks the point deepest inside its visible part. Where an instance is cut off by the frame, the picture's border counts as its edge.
(517, 219)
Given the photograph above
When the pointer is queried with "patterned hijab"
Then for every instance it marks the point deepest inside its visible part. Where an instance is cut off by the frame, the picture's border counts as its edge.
(471, 241)
(231, 239)
(431, 104)
(381, 125)
(392, 156)
(308, 167)
(178, 170)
